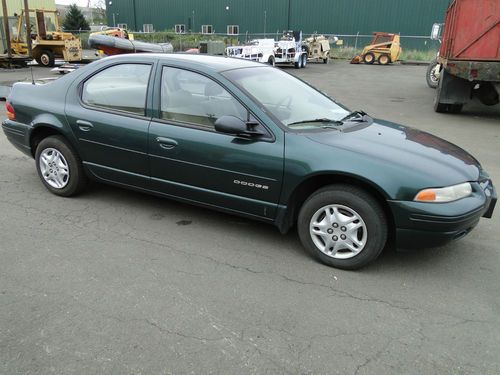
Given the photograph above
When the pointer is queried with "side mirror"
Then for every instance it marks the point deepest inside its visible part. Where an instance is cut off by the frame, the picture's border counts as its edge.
(436, 31)
(234, 125)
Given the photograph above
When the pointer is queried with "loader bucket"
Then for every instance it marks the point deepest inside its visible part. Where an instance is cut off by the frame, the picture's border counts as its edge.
(356, 59)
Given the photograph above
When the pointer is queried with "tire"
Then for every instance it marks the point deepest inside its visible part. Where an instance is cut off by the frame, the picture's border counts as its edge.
(325, 61)
(369, 58)
(487, 94)
(271, 61)
(432, 80)
(384, 59)
(46, 58)
(351, 203)
(303, 60)
(52, 172)
(297, 64)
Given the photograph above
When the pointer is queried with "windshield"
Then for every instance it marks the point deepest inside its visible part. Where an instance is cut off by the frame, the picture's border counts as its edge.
(290, 100)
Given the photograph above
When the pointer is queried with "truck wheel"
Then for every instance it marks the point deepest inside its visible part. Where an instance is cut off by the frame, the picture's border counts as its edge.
(384, 59)
(431, 77)
(487, 94)
(271, 61)
(46, 58)
(369, 58)
(297, 64)
(343, 226)
(303, 60)
(325, 61)
(59, 167)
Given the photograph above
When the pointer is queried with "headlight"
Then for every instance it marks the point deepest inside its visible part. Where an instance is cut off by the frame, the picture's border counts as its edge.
(446, 194)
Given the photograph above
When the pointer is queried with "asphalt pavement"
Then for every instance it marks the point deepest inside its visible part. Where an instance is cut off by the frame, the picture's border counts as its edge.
(118, 282)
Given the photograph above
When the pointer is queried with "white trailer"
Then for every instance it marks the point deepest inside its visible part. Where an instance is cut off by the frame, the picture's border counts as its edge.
(288, 50)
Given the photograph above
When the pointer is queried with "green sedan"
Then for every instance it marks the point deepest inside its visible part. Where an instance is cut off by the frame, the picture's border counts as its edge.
(251, 140)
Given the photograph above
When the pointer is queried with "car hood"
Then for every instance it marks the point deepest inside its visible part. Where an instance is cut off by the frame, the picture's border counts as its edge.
(408, 147)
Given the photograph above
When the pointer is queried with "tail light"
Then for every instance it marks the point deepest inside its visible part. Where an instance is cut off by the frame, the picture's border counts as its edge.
(11, 113)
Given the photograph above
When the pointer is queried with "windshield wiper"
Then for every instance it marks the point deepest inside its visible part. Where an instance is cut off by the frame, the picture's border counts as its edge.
(321, 120)
(356, 116)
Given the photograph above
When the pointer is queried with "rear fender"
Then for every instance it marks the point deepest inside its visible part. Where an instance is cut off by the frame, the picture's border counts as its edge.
(47, 120)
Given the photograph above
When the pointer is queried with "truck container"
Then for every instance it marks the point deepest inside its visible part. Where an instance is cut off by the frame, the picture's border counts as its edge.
(469, 55)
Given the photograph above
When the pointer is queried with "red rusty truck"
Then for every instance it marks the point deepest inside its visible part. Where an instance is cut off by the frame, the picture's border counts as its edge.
(469, 55)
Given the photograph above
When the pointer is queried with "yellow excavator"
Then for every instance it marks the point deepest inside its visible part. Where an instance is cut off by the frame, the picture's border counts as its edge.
(384, 48)
(47, 40)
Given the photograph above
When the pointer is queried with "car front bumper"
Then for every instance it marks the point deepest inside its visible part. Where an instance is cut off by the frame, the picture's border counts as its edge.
(433, 224)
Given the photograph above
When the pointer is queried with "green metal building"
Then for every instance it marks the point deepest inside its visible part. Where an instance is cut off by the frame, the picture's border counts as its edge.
(340, 17)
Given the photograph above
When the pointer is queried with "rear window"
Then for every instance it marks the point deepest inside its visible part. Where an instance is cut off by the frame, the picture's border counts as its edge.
(120, 87)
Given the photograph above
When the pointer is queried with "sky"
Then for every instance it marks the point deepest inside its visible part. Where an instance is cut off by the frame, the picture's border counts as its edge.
(82, 3)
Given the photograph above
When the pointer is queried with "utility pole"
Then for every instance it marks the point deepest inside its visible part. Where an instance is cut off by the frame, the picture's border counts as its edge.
(135, 16)
(28, 27)
(7, 28)
(265, 22)
(289, 10)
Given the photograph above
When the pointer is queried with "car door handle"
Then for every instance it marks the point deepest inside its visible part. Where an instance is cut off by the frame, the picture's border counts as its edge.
(166, 143)
(84, 125)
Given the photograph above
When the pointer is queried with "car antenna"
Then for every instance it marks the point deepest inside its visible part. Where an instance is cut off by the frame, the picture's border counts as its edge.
(32, 76)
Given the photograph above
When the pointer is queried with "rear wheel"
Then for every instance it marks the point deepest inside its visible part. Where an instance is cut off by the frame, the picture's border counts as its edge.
(343, 226)
(271, 61)
(384, 59)
(46, 58)
(487, 94)
(369, 58)
(59, 167)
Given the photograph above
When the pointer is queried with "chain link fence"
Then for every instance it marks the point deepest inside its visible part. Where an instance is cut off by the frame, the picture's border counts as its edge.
(415, 47)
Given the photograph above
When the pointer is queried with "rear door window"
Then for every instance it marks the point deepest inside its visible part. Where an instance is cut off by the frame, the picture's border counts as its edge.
(120, 87)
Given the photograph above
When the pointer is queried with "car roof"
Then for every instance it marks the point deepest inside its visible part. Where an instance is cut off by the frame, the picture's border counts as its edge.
(205, 62)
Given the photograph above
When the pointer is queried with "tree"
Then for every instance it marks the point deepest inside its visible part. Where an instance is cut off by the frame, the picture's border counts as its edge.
(75, 20)
(100, 12)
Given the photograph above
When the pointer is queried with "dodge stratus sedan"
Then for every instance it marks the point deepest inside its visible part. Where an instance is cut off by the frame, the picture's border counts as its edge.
(251, 140)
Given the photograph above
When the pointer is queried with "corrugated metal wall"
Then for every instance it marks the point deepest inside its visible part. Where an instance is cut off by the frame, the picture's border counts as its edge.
(407, 17)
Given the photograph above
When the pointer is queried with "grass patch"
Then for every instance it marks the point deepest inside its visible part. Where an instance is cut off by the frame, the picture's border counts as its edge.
(417, 55)
(347, 53)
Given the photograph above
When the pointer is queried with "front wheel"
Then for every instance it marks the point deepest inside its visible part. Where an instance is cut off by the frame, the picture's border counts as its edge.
(343, 226)
(431, 75)
(303, 60)
(369, 58)
(59, 167)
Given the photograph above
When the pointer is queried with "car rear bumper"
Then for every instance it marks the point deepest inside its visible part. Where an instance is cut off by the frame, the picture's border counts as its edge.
(434, 224)
(18, 134)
